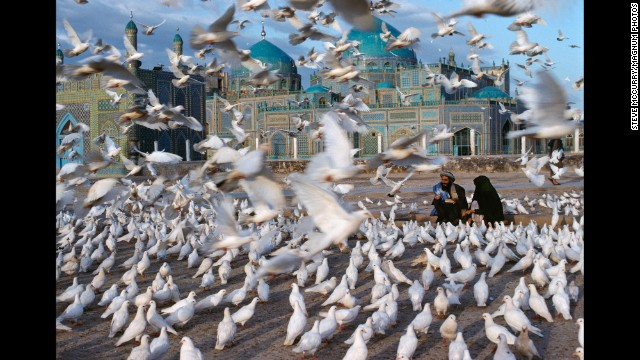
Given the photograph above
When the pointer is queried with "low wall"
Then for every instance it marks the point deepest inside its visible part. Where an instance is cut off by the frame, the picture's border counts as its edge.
(467, 164)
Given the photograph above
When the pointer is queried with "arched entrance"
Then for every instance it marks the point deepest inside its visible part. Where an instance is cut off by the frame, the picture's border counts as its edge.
(462, 142)
(164, 144)
(507, 144)
(278, 146)
(62, 159)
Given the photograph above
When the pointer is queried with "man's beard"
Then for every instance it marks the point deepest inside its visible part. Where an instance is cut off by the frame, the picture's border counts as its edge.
(446, 187)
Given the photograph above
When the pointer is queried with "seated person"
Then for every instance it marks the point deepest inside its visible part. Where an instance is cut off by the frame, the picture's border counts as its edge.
(450, 202)
(487, 200)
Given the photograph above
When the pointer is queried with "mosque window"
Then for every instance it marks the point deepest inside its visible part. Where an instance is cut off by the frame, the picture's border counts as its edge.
(322, 101)
(387, 66)
(283, 83)
(405, 82)
(372, 65)
(59, 87)
(88, 85)
(415, 78)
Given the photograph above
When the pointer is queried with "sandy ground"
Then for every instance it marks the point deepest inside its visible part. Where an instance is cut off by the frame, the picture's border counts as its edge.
(263, 335)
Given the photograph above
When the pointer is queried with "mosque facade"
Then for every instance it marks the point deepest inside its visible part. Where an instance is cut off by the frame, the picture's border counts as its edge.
(87, 102)
(472, 114)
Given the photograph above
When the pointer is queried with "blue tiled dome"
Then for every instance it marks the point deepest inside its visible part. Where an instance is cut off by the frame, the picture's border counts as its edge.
(317, 89)
(371, 45)
(385, 85)
(177, 39)
(266, 52)
(490, 92)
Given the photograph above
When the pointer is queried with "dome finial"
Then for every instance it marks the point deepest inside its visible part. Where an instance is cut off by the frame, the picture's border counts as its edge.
(263, 33)
(131, 15)
(178, 29)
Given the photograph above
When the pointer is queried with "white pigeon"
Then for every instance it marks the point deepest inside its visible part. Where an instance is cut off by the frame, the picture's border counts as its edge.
(322, 271)
(516, 318)
(328, 325)
(457, 347)
(502, 351)
(481, 290)
(143, 351)
(160, 345)
(79, 47)
(245, 313)
(263, 290)
(358, 350)
(493, 330)
(463, 276)
(310, 341)
(135, 328)
(422, 321)
(73, 311)
(132, 53)
(547, 100)
(296, 325)
(561, 303)
(538, 304)
(352, 272)
(183, 314)
(211, 300)
(188, 351)
(226, 330)
(296, 296)
(441, 302)
(408, 344)
(156, 321)
(119, 319)
(335, 222)
(449, 328)
(148, 30)
(416, 294)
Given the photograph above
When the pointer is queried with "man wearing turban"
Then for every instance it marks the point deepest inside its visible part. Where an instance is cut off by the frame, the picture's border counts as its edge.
(450, 202)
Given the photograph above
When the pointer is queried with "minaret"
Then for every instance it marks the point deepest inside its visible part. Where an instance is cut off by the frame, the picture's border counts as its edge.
(131, 30)
(263, 33)
(177, 43)
(452, 58)
(59, 56)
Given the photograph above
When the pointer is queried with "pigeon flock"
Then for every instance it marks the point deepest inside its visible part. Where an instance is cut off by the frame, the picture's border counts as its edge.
(229, 258)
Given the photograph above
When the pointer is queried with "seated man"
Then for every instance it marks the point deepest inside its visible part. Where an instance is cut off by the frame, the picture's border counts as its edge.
(450, 202)
(485, 201)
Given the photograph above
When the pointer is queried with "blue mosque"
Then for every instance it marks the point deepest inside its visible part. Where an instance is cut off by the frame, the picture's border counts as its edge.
(471, 113)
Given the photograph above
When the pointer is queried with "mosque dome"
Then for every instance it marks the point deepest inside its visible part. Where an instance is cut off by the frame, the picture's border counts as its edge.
(490, 92)
(178, 39)
(317, 89)
(371, 45)
(266, 52)
(385, 85)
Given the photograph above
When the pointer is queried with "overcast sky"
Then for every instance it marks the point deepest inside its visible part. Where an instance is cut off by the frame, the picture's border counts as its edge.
(106, 19)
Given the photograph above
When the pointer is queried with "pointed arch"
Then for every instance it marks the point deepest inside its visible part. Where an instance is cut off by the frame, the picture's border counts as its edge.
(181, 143)
(462, 142)
(278, 145)
(508, 145)
(164, 143)
(64, 123)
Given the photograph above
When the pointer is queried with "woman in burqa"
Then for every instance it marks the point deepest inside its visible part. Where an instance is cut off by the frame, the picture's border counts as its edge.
(487, 199)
